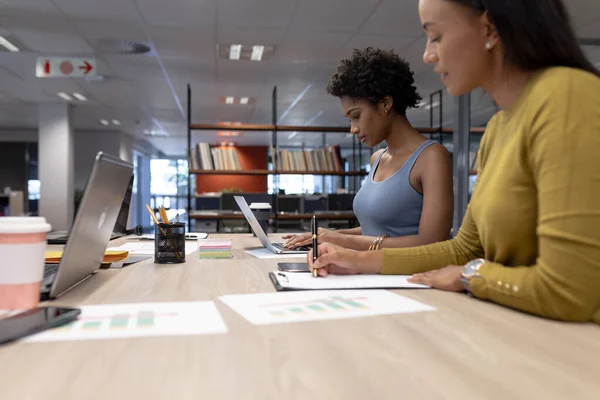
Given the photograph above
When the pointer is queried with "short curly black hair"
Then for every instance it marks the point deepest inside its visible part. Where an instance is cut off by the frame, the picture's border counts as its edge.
(372, 74)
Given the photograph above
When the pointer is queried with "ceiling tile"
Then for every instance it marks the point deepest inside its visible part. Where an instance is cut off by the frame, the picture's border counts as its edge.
(303, 46)
(332, 15)
(12, 7)
(99, 10)
(124, 30)
(53, 43)
(228, 34)
(395, 17)
(192, 12)
(256, 13)
(183, 41)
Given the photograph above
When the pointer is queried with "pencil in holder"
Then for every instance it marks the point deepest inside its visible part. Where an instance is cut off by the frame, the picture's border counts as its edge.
(169, 243)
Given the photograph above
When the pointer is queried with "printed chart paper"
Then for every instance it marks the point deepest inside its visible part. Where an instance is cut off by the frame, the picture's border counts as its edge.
(147, 248)
(285, 307)
(304, 281)
(137, 320)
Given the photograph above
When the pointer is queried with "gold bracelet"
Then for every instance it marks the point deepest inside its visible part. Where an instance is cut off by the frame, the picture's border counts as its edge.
(381, 239)
(377, 241)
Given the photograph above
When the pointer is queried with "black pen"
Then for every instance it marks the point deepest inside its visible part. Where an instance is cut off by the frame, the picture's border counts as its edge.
(315, 244)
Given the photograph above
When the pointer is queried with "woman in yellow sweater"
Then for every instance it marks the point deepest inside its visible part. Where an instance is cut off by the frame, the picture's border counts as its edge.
(530, 238)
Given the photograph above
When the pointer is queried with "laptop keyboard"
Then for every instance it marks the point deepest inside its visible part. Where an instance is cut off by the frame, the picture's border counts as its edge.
(280, 246)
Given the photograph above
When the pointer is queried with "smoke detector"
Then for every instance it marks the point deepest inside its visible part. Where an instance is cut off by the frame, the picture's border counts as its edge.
(132, 47)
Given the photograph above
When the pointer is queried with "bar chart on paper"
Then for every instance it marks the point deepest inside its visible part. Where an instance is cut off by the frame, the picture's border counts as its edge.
(137, 320)
(274, 308)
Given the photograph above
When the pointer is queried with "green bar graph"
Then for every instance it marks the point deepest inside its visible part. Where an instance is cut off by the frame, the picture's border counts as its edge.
(349, 302)
(91, 325)
(119, 321)
(145, 319)
(321, 306)
(333, 304)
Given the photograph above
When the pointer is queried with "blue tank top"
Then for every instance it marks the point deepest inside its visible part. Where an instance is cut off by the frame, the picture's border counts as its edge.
(392, 206)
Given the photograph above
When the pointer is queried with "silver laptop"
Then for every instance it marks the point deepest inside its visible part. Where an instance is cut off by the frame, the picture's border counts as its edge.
(277, 248)
(92, 228)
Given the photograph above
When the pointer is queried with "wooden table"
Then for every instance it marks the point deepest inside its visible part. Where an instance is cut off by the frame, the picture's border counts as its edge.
(467, 349)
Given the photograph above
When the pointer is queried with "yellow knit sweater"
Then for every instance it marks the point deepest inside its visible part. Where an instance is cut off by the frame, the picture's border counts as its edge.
(535, 212)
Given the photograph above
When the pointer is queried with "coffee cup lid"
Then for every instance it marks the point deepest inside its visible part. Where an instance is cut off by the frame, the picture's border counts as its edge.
(260, 206)
(24, 225)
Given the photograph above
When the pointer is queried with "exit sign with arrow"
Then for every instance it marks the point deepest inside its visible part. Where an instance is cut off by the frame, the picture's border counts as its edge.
(59, 67)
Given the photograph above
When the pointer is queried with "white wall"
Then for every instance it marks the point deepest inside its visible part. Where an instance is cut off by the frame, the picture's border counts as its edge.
(56, 165)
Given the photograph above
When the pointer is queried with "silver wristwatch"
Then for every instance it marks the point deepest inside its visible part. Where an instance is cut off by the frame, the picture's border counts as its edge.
(470, 271)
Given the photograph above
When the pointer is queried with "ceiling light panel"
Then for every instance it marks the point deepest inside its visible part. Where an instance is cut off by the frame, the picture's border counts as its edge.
(253, 52)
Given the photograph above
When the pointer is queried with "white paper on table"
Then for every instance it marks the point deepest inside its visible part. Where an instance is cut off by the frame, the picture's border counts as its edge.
(188, 236)
(262, 252)
(286, 307)
(114, 321)
(304, 281)
(147, 248)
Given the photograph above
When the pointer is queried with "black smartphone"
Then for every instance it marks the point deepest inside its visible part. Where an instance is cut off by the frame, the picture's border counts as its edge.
(293, 267)
(35, 320)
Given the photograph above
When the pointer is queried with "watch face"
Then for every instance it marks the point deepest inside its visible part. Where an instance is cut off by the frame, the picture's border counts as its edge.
(472, 267)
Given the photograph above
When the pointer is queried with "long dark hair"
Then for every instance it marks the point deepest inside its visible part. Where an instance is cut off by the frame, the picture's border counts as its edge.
(536, 34)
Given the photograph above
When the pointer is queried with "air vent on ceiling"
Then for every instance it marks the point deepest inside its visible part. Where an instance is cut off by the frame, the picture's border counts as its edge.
(133, 47)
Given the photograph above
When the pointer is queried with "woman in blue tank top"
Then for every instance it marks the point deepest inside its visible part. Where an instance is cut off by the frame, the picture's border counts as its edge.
(407, 197)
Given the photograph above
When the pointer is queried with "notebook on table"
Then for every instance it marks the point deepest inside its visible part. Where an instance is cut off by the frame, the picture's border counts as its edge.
(284, 281)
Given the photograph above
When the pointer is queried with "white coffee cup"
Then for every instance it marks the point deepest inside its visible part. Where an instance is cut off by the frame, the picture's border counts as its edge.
(22, 251)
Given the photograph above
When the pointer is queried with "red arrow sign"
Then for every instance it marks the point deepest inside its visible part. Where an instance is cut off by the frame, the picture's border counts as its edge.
(65, 67)
(86, 68)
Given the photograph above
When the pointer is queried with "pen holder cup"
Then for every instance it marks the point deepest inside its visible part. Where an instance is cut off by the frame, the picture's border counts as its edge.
(169, 243)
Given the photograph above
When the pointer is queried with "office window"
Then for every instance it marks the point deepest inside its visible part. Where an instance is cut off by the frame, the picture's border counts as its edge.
(295, 184)
(168, 185)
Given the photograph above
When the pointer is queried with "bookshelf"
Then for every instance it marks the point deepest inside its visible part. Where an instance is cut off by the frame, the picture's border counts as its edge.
(273, 154)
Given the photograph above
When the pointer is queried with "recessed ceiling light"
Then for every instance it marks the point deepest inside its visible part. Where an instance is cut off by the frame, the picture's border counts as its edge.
(244, 100)
(228, 133)
(104, 122)
(245, 52)
(64, 96)
(8, 45)
(257, 53)
(234, 51)
(116, 122)
(229, 100)
(79, 96)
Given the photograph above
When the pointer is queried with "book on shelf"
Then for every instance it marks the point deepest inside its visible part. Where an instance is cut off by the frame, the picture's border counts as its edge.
(207, 158)
(327, 159)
